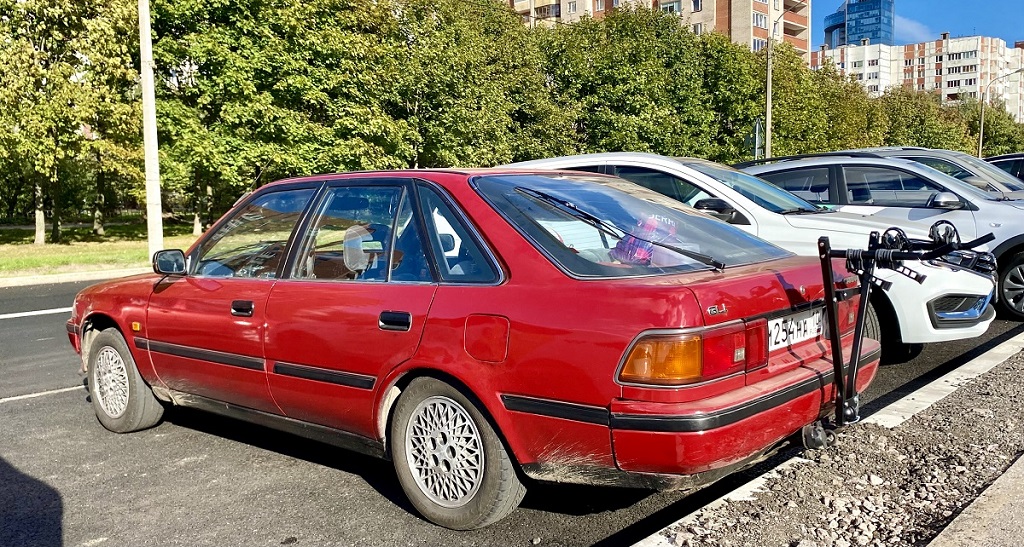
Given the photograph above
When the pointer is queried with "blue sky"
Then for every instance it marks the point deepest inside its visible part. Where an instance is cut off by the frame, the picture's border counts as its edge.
(921, 20)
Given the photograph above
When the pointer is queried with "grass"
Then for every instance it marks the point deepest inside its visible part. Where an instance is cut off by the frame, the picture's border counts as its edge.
(123, 246)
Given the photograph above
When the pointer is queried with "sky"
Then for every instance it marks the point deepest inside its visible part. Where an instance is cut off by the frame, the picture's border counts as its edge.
(923, 20)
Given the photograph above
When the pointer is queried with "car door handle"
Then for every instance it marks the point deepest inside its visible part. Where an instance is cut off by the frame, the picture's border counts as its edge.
(395, 320)
(242, 308)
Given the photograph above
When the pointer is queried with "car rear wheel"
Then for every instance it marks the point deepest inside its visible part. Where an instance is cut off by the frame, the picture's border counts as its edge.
(1011, 288)
(452, 465)
(122, 400)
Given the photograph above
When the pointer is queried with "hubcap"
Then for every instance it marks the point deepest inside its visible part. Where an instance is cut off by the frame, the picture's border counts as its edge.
(111, 382)
(1013, 288)
(444, 451)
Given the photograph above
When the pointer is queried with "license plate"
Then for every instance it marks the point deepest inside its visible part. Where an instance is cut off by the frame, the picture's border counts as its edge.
(786, 331)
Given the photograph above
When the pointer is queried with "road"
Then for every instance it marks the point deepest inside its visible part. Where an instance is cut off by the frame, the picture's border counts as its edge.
(198, 479)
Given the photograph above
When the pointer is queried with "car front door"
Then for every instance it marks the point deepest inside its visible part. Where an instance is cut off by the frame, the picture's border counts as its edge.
(204, 331)
(901, 196)
(353, 305)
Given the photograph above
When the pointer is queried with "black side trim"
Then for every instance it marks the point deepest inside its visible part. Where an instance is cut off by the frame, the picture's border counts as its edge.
(349, 379)
(556, 409)
(316, 432)
(219, 357)
(71, 328)
(712, 420)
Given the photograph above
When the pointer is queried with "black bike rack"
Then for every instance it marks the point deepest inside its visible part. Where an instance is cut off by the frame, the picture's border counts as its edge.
(879, 254)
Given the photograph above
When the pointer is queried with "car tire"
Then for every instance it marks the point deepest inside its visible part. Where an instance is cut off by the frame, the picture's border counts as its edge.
(1011, 288)
(121, 398)
(894, 350)
(449, 460)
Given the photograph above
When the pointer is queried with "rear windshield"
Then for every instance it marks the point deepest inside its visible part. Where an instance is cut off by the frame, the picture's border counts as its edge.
(608, 227)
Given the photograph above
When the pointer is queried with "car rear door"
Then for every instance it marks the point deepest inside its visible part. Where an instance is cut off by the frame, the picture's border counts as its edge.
(204, 331)
(353, 304)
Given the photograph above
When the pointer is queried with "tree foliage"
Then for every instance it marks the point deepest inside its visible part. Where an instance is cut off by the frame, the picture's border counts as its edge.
(249, 91)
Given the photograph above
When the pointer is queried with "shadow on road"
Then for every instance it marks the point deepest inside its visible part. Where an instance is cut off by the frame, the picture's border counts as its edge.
(31, 512)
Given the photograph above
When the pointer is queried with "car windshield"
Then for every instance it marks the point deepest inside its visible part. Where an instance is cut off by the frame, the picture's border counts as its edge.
(1011, 182)
(599, 226)
(761, 192)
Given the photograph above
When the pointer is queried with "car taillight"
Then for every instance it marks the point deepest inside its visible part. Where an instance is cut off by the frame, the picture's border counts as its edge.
(847, 312)
(692, 357)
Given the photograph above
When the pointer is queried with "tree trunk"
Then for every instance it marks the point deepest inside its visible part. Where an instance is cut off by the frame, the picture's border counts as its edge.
(97, 212)
(197, 225)
(40, 217)
(55, 220)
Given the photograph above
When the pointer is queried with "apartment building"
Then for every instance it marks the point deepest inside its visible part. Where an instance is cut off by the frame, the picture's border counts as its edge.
(956, 68)
(744, 21)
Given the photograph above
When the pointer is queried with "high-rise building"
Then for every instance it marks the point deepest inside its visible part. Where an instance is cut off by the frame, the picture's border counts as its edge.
(859, 20)
(955, 68)
(744, 21)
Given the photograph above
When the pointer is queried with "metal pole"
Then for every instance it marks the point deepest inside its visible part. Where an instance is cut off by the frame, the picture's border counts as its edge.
(768, 79)
(154, 210)
(984, 99)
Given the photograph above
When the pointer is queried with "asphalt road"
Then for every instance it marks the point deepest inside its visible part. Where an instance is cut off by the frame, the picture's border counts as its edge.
(198, 479)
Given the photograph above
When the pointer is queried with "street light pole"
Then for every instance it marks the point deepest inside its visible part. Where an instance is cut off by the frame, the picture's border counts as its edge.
(154, 209)
(768, 80)
(984, 99)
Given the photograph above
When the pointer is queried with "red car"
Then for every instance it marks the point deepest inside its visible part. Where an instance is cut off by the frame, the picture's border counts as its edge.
(477, 327)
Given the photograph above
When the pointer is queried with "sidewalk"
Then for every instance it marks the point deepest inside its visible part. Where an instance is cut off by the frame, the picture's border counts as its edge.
(69, 277)
(995, 519)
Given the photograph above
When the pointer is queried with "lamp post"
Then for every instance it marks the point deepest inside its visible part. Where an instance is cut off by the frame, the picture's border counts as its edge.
(768, 80)
(154, 209)
(984, 99)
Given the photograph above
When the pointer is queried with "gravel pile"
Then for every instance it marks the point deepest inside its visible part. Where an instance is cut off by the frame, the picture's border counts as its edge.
(880, 486)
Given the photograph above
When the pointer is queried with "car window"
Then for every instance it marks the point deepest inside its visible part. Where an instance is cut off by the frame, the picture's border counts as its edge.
(350, 238)
(1006, 165)
(587, 168)
(609, 227)
(252, 242)
(662, 183)
(810, 184)
(986, 169)
(887, 187)
(459, 257)
(944, 166)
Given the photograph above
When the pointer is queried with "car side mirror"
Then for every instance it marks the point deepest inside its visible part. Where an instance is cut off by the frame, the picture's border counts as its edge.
(946, 200)
(976, 181)
(447, 242)
(716, 207)
(169, 262)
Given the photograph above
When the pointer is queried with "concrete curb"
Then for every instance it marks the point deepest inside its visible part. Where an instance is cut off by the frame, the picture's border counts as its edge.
(70, 277)
(994, 519)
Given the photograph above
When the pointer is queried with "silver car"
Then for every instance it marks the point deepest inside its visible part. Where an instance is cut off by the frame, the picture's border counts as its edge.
(902, 191)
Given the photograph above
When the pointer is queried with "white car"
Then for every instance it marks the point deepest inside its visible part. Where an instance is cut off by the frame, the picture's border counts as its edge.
(953, 303)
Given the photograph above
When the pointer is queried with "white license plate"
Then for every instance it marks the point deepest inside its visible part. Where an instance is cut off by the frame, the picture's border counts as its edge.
(786, 331)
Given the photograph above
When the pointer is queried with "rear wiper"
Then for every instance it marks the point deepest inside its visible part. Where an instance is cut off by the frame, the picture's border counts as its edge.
(614, 231)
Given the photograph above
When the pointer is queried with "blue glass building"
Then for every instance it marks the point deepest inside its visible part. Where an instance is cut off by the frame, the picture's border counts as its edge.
(859, 19)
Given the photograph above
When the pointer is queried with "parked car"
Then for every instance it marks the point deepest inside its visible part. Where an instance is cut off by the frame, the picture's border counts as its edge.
(954, 163)
(1011, 163)
(472, 325)
(909, 193)
(953, 304)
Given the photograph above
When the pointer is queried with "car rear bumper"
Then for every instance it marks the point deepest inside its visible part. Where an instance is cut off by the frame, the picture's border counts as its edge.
(682, 446)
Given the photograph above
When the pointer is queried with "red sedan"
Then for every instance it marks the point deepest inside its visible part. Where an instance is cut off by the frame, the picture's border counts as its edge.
(477, 327)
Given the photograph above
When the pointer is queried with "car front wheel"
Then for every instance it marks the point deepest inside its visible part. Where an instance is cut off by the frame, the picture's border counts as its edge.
(1011, 288)
(452, 465)
(122, 400)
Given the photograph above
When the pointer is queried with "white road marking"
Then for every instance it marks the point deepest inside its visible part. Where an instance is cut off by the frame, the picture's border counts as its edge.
(39, 394)
(51, 311)
(891, 416)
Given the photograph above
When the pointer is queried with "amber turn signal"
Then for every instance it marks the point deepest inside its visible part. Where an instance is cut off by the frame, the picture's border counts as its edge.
(664, 360)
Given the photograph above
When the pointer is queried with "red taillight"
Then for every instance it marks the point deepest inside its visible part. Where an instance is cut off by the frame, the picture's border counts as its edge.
(692, 357)
(847, 312)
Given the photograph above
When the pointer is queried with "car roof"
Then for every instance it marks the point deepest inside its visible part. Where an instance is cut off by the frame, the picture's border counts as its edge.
(825, 160)
(414, 173)
(1010, 156)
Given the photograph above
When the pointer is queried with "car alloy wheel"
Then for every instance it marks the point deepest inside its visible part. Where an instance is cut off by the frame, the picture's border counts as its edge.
(1013, 288)
(111, 382)
(445, 451)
